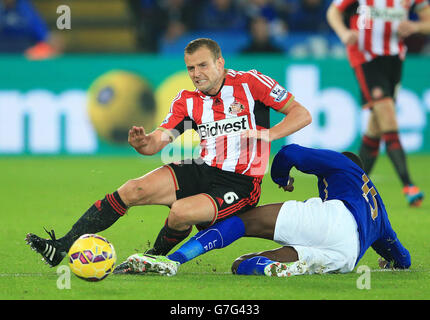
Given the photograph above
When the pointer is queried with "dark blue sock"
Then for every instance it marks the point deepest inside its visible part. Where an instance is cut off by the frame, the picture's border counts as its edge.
(217, 236)
(253, 266)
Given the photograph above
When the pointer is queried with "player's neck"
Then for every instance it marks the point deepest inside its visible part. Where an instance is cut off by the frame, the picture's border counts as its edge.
(216, 89)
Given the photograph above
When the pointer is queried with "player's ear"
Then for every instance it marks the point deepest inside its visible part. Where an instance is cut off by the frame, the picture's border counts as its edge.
(220, 62)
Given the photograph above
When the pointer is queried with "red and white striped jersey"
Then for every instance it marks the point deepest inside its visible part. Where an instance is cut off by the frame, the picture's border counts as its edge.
(242, 103)
(377, 22)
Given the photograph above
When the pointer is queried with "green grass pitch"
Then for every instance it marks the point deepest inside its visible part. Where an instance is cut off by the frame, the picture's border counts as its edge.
(53, 192)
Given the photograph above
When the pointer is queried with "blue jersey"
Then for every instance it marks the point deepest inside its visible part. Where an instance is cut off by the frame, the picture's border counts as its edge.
(21, 26)
(340, 178)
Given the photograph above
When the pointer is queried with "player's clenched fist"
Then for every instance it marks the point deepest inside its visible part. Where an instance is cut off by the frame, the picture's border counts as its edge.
(290, 185)
(137, 137)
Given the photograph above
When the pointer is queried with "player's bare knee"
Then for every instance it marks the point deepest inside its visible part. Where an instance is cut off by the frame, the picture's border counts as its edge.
(134, 192)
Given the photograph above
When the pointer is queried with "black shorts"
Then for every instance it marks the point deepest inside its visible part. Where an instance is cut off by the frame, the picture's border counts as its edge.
(379, 79)
(231, 193)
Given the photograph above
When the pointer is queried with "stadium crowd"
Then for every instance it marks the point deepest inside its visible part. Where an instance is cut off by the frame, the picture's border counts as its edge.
(262, 26)
(264, 20)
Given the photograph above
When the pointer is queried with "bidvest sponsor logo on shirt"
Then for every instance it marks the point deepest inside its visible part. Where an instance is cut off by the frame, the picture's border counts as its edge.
(388, 14)
(223, 127)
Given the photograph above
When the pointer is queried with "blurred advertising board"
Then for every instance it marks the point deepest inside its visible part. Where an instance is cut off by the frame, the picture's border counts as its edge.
(44, 105)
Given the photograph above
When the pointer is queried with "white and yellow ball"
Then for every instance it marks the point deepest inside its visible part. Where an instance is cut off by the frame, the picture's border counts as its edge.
(92, 257)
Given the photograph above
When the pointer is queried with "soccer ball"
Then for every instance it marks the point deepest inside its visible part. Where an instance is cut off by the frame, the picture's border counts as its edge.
(118, 100)
(92, 257)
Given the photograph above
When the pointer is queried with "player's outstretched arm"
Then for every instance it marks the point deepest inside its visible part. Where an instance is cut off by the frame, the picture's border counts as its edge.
(319, 162)
(147, 144)
(296, 118)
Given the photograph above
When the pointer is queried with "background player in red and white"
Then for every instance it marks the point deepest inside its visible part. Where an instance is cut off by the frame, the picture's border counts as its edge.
(374, 32)
(230, 110)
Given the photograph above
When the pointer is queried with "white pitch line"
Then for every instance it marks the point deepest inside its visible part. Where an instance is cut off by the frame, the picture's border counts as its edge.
(24, 274)
(207, 273)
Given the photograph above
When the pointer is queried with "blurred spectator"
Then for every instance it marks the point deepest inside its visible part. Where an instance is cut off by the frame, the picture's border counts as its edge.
(261, 41)
(155, 19)
(148, 23)
(270, 10)
(23, 30)
(268, 22)
(221, 15)
(309, 16)
(179, 16)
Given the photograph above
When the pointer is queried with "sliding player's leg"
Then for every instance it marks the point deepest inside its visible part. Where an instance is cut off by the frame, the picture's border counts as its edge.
(311, 239)
(183, 215)
(257, 222)
(205, 195)
(156, 187)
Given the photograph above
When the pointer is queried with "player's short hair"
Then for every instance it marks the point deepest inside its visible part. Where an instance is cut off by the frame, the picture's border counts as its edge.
(196, 44)
(356, 159)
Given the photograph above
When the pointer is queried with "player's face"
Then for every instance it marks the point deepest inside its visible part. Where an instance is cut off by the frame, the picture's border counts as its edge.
(206, 72)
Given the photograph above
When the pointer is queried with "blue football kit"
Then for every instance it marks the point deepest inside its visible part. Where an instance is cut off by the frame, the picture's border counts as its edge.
(341, 179)
(338, 178)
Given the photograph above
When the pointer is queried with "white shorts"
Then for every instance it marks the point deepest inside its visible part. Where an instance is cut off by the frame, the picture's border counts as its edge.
(324, 234)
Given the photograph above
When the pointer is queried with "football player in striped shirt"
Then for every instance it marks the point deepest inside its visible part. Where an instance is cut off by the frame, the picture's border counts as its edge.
(374, 32)
(230, 111)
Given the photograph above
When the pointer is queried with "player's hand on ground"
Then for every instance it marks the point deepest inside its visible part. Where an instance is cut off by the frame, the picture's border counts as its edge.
(349, 37)
(383, 264)
(137, 137)
(290, 186)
